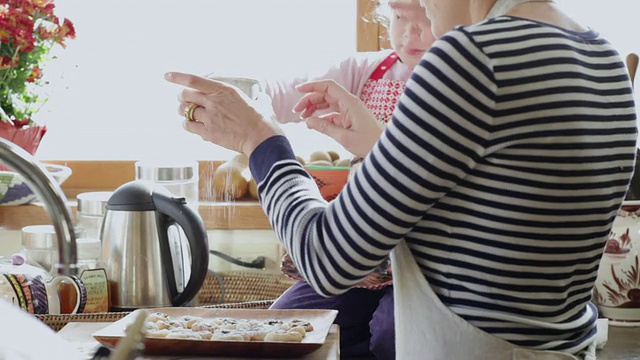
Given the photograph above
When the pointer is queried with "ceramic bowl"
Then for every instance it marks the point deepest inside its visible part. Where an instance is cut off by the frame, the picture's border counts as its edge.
(617, 288)
(15, 191)
(330, 179)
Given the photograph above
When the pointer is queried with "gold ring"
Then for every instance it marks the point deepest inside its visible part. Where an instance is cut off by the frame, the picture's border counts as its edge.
(188, 111)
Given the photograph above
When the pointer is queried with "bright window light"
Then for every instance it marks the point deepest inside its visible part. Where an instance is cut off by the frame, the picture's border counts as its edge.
(107, 95)
(611, 19)
(108, 98)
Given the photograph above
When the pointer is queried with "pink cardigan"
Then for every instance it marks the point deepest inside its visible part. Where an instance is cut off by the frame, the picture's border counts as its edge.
(352, 73)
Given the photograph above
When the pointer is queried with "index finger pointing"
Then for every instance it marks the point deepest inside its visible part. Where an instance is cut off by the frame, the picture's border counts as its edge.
(194, 81)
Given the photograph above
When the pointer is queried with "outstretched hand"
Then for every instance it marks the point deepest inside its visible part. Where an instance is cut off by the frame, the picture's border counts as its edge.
(349, 121)
(222, 114)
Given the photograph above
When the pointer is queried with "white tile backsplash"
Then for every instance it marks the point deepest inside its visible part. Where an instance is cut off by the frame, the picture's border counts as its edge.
(9, 242)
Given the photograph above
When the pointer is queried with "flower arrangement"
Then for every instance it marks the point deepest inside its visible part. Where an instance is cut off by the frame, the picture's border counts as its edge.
(28, 31)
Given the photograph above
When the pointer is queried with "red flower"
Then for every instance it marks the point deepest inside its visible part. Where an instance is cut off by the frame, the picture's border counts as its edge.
(28, 31)
(67, 30)
(5, 33)
(46, 33)
(45, 6)
(35, 74)
(7, 62)
(24, 41)
(21, 123)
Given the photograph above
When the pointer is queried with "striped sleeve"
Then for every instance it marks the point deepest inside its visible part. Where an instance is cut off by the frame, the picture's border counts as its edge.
(336, 245)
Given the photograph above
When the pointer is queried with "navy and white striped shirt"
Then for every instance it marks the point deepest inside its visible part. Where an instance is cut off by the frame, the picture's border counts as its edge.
(503, 168)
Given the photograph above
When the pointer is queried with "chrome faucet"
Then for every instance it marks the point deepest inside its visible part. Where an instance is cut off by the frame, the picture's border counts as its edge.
(53, 197)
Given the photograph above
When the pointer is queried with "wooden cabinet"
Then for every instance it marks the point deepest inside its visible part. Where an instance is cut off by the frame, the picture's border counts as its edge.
(371, 33)
(108, 175)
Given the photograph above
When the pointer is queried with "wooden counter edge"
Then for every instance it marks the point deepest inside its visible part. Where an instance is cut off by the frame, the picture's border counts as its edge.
(241, 215)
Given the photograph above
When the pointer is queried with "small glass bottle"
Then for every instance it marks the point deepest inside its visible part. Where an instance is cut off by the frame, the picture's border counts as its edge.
(93, 274)
(91, 210)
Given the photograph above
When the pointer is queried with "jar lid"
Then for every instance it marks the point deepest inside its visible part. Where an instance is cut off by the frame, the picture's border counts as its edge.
(43, 236)
(93, 203)
(89, 248)
(157, 171)
(39, 237)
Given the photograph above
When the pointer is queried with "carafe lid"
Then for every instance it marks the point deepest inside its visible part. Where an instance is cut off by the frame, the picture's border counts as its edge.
(160, 171)
(135, 195)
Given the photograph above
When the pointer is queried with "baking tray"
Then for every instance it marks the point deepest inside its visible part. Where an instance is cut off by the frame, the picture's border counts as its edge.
(320, 319)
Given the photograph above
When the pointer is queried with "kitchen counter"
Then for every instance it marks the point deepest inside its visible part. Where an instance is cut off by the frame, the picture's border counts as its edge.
(623, 343)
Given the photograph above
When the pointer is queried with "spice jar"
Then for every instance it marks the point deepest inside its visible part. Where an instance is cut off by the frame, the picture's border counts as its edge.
(93, 275)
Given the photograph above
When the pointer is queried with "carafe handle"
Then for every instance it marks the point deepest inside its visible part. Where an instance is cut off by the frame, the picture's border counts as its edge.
(174, 210)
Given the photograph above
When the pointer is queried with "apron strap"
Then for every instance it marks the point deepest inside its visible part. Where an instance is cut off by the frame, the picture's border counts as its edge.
(384, 66)
(501, 7)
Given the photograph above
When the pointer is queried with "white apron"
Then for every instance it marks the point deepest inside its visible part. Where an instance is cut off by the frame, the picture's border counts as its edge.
(427, 329)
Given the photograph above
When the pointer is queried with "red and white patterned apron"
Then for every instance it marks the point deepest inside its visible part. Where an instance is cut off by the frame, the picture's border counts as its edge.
(380, 96)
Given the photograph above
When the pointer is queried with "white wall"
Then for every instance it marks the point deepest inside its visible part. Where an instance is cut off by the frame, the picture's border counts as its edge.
(108, 98)
(617, 20)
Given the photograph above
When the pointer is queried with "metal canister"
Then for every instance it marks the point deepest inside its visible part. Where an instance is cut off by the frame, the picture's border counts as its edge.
(180, 178)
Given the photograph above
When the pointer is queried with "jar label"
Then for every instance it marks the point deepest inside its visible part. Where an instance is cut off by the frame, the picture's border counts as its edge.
(95, 281)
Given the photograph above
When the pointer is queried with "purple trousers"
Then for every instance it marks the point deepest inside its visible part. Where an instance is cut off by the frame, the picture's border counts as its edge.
(365, 317)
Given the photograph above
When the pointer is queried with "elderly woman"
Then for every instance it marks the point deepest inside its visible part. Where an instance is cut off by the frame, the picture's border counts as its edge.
(494, 186)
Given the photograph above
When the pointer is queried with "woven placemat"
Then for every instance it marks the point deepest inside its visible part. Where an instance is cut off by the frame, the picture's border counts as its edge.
(231, 290)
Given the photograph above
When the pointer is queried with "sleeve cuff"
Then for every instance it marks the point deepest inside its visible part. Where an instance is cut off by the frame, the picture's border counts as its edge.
(269, 152)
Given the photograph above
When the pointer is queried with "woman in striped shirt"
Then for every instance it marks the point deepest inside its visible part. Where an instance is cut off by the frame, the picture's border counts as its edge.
(494, 186)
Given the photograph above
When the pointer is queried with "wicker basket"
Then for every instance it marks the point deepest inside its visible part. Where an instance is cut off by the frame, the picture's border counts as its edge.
(238, 287)
(230, 290)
